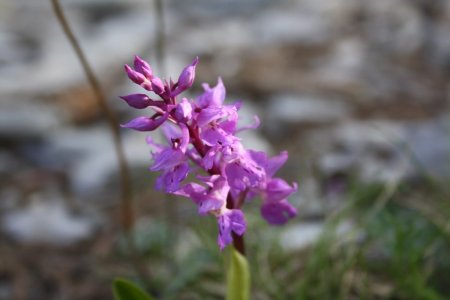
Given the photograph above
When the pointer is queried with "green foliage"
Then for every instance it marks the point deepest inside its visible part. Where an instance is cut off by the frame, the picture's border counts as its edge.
(126, 290)
(394, 245)
(393, 250)
(194, 267)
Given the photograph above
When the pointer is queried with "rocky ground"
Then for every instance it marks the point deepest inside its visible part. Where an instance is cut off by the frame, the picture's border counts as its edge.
(352, 88)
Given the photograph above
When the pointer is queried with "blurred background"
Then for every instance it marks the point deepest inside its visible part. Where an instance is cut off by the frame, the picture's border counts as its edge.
(356, 90)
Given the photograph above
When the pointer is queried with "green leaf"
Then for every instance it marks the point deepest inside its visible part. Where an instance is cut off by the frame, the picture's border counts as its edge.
(238, 277)
(126, 290)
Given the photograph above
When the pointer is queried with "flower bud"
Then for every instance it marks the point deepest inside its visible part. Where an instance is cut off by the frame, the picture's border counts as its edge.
(157, 85)
(143, 67)
(137, 100)
(186, 78)
(145, 123)
(134, 76)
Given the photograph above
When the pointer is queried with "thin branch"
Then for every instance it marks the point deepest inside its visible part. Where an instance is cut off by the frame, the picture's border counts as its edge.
(125, 182)
(170, 211)
(160, 36)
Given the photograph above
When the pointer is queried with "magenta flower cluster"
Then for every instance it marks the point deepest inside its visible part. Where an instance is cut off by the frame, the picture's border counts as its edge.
(201, 139)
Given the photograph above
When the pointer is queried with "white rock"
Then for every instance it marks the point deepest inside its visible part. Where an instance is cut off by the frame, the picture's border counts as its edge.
(369, 149)
(252, 138)
(428, 142)
(56, 66)
(386, 151)
(284, 26)
(333, 16)
(305, 109)
(439, 45)
(309, 200)
(92, 158)
(344, 64)
(204, 9)
(394, 25)
(20, 118)
(302, 235)
(209, 39)
(46, 222)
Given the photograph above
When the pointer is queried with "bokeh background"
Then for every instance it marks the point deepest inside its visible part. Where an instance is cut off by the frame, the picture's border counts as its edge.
(356, 90)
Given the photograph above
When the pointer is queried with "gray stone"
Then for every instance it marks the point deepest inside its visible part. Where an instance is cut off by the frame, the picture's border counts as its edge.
(394, 25)
(196, 9)
(438, 49)
(305, 234)
(343, 64)
(301, 236)
(387, 151)
(428, 143)
(252, 138)
(91, 157)
(55, 66)
(281, 26)
(23, 119)
(369, 149)
(298, 109)
(47, 222)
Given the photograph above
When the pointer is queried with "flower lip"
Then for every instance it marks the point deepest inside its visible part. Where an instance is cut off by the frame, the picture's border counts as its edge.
(279, 212)
(230, 220)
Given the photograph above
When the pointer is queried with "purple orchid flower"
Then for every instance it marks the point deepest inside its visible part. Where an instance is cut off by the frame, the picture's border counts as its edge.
(201, 139)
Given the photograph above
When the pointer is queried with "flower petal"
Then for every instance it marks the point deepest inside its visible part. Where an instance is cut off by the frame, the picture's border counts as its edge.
(207, 115)
(216, 135)
(170, 180)
(194, 191)
(275, 163)
(278, 213)
(212, 97)
(210, 157)
(278, 189)
(146, 123)
(244, 174)
(228, 221)
(217, 196)
(183, 111)
(167, 159)
(254, 125)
